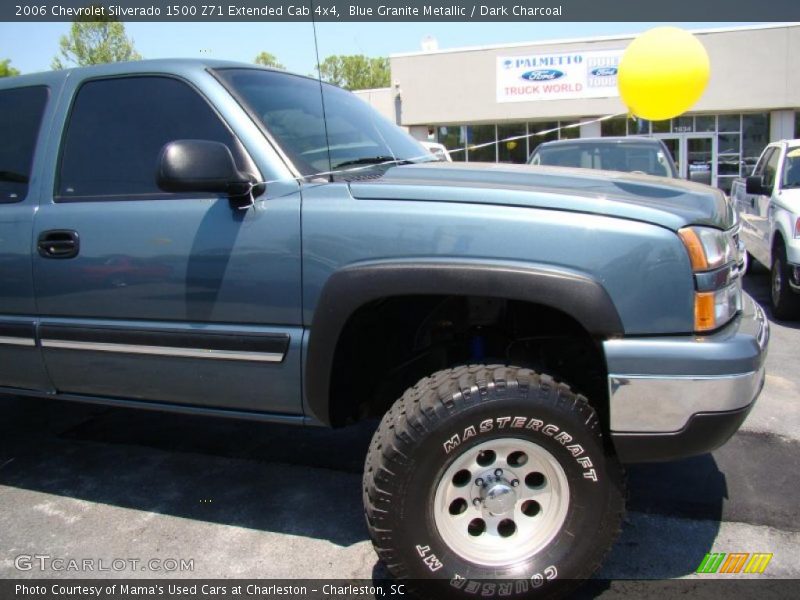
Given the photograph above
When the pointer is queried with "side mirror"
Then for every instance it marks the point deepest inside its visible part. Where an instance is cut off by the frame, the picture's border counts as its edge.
(200, 166)
(754, 184)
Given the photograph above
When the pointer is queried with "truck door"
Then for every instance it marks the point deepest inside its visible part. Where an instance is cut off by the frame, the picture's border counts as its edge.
(763, 204)
(21, 114)
(180, 298)
(753, 208)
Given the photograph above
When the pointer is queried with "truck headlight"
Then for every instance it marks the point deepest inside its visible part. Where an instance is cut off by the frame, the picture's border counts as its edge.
(708, 248)
(714, 256)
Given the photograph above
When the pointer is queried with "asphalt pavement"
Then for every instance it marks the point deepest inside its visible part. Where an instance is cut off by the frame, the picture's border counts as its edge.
(241, 499)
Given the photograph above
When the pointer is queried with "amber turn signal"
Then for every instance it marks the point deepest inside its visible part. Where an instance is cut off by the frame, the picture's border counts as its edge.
(697, 255)
(704, 311)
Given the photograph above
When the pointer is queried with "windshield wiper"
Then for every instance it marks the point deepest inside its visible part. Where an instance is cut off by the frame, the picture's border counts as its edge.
(372, 160)
(13, 177)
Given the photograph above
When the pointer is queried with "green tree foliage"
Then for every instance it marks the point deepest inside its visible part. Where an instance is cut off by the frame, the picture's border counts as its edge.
(355, 72)
(6, 70)
(94, 42)
(268, 60)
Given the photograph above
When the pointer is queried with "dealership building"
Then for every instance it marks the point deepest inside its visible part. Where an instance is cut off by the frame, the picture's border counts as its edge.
(468, 97)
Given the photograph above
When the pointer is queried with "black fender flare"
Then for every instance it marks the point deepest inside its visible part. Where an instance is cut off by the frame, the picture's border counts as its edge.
(577, 294)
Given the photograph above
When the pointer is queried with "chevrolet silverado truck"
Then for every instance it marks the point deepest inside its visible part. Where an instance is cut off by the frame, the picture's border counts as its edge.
(206, 237)
(768, 204)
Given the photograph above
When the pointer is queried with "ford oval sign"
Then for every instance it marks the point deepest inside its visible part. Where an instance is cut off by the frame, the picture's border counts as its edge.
(542, 75)
(604, 71)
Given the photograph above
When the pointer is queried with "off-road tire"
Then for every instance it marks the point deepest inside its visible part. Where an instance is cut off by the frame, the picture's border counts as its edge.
(785, 302)
(444, 417)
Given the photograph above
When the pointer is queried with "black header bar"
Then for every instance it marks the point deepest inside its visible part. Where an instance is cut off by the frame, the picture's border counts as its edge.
(366, 589)
(403, 10)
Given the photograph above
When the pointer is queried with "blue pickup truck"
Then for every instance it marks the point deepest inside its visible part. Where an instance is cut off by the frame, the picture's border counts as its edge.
(222, 239)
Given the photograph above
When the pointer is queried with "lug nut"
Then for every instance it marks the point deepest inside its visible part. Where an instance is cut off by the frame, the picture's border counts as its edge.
(498, 472)
(476, 502)
(479, 482)
(514, 482)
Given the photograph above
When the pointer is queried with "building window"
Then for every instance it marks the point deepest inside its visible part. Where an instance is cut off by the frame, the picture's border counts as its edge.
(797, 125)
(662, 126)
(616, 127)
(570, 133)
(540, 132)
(513, 151)
(454, 139)
(703, 123)
(740, 138)
(732, 123)
(729, 143)
(477, 135)
(683, 125)
(639, 126)
(728, 157)
(461, 140)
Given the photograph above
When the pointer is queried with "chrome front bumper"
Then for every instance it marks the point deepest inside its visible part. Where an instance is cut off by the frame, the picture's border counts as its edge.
(657, 385)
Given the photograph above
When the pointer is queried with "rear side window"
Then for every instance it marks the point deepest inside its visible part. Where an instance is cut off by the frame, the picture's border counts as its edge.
(21, 111)
(117, 128)
(628, 157)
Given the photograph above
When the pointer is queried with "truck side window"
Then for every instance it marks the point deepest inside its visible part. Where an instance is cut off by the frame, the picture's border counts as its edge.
(21, 111)
(771, 169)
(762, 162)
(117, 128)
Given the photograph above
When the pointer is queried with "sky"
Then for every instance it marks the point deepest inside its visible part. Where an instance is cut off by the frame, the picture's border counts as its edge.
(32, 46)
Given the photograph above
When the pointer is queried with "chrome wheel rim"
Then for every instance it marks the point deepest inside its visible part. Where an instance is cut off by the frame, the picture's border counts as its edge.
(501, 501)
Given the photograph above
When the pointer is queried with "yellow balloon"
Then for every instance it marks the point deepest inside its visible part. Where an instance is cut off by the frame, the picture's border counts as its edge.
(663, 72)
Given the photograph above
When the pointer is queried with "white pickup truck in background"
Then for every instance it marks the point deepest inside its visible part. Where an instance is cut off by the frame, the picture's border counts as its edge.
(768, 203)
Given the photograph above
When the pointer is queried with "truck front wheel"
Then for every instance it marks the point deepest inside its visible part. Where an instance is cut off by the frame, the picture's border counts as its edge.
(491, 481)
(785, 303)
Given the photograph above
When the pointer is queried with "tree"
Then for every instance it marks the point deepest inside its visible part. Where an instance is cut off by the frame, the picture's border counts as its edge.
(268, 60)
(355, 72)
(93, 42)
(6, 70)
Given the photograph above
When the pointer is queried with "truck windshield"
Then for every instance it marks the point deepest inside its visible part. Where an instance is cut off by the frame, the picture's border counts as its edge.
(791, 169)
(629, 157)
(290, 107)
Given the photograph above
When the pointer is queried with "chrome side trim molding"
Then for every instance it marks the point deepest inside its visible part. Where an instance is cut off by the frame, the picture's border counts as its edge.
(165, 351)
(16, 341)
(664, 403)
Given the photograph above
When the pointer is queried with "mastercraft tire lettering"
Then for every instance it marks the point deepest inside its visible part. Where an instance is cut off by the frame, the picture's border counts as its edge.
(491, 481)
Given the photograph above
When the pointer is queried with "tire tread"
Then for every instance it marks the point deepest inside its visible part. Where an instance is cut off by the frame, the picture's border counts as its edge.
(426, 404)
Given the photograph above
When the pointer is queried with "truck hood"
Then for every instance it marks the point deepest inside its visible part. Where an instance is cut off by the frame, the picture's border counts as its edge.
(671, 203)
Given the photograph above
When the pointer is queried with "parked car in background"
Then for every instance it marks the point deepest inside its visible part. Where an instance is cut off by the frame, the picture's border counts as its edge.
(629, 154)
(438, 150)
(768, 203)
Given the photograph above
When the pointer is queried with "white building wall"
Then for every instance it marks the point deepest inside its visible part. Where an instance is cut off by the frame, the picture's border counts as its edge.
(752, 69)
(384, 100)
